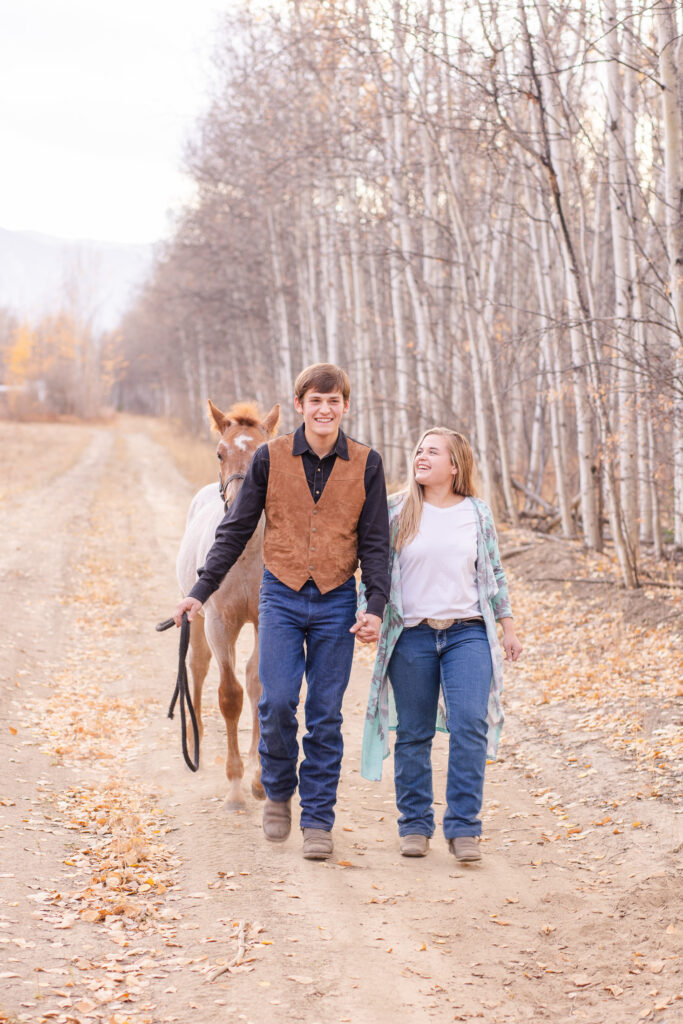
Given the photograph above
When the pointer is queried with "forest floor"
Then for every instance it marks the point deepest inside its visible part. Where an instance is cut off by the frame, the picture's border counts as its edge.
(125, 886)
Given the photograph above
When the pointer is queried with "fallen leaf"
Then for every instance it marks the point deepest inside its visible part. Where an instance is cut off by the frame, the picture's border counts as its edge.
(66, 921)
(92, 915)
(301, 979)
(656, 967)
(85, 1006)
(13, 730)
(581, 980)
(616, 990)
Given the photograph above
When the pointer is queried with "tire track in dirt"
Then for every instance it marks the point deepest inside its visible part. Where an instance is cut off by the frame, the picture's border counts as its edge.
(550, 926)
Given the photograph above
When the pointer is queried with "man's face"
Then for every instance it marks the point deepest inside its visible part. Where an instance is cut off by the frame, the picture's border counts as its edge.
(322, 414)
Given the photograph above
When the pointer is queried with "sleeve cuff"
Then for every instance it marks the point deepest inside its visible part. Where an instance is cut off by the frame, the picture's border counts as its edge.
(201, 591)
(376, 605)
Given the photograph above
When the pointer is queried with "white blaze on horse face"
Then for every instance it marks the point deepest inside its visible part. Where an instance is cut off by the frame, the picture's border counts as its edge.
(242, 441)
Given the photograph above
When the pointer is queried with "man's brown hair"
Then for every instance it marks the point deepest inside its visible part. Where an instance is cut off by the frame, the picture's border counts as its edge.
(324, 378)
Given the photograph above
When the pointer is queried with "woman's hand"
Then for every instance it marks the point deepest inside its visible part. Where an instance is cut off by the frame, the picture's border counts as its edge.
(511, 644)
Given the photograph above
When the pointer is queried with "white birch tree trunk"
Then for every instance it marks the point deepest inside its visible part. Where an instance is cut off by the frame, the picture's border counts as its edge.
(670, 74)
(622, 333)
(284, 363)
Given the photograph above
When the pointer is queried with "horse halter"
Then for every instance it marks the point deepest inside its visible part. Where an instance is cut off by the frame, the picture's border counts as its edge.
(222, 487)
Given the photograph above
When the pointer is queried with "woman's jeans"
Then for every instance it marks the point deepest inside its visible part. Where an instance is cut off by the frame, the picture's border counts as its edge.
(304, 631)
(456, 660)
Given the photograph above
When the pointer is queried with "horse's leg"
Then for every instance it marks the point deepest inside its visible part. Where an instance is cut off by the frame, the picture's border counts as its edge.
(200, 656)
(222, 638)
(254, 694)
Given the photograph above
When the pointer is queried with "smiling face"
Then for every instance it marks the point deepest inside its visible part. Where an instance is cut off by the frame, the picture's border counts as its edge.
(433, 465)
(322, 415)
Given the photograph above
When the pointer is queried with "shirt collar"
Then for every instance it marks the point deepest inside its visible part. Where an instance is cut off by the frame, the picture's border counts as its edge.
(300, 444)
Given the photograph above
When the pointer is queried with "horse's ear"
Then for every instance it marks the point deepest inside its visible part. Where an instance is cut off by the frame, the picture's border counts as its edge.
(269, 424)
(218, 420)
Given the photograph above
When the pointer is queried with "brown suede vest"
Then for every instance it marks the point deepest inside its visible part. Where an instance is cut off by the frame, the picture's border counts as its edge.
(307, 540)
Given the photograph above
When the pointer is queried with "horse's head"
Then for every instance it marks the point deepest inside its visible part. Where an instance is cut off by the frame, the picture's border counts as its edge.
(242, 429)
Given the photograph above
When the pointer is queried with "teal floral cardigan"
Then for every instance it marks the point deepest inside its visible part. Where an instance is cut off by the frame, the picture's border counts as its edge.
(494, 603)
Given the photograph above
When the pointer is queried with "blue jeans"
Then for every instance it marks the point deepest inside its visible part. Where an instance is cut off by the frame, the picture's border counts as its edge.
(304, 631)
(457, 661)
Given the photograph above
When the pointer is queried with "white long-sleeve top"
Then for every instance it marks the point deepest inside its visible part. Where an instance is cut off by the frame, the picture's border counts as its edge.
(438, 567)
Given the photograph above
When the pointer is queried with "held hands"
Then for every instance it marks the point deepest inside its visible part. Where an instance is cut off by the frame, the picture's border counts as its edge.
(190, 605)
(366, 627)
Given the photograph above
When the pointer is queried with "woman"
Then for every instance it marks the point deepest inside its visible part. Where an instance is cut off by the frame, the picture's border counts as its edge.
(439, 633)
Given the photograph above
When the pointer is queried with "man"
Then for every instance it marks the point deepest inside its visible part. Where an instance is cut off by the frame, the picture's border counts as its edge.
(324, 499)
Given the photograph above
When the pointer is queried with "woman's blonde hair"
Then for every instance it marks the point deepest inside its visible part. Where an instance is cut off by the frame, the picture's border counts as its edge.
(462, 458)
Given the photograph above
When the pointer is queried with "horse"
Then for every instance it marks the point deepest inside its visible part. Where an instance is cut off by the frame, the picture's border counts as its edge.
(215, 630)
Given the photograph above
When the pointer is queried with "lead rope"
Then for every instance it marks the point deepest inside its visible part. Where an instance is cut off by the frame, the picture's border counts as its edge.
(182, 691)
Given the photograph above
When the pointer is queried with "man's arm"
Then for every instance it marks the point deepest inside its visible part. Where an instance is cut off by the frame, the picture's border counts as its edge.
(373, 537)
(236, 527)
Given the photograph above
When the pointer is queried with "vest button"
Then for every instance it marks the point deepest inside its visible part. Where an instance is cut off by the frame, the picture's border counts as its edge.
(314, 529)
(310, 568)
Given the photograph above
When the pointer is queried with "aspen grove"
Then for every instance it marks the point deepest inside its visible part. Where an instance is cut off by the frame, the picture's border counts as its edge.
(477, 209)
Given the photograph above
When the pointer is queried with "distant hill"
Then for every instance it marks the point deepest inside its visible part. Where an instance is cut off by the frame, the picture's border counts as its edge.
(40, 274)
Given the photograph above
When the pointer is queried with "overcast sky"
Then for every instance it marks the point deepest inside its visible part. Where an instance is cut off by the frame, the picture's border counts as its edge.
(96, 100)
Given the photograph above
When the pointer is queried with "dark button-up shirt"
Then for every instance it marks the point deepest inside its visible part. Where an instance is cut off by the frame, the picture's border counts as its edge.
(243, 516)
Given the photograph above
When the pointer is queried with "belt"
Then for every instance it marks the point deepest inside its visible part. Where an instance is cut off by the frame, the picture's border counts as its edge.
(447, 623)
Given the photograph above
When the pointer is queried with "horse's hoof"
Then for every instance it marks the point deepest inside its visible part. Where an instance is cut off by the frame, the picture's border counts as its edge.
(258, 791)
(234, 805)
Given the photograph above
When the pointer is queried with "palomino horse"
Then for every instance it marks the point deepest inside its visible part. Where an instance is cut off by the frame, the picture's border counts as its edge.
(215, 630)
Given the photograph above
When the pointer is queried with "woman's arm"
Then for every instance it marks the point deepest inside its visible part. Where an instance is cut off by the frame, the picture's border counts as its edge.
(500, 603)
(511, 644)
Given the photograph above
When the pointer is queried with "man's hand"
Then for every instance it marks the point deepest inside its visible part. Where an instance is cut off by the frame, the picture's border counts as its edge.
(366, 627)
(190, 605)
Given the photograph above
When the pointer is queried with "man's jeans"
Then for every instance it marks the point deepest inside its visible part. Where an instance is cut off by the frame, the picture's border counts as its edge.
(304, 631)
(457, 661)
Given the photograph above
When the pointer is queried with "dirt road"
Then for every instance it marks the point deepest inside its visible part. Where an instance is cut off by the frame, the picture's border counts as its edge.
(126, 887)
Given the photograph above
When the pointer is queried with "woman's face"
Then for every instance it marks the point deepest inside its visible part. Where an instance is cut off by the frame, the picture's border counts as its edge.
(433, 466)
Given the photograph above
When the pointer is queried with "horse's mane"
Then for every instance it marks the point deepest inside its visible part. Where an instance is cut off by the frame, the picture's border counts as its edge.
(247, 414)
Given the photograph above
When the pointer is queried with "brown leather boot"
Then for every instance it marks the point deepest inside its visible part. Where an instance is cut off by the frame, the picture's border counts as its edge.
(318, 844)
(465, 848)
(277, 820)
(414, 845)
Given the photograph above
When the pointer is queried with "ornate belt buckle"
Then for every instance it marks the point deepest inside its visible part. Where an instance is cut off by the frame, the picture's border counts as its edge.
(440, 623)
